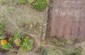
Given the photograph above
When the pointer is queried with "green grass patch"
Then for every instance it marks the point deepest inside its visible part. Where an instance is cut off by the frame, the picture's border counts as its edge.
(40, 5)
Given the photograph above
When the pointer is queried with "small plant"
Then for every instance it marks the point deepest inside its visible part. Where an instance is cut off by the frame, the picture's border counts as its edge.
(27, 44)
(5, 45)
(17, 39)
(23, 42)
(40, 5)
(43, 51)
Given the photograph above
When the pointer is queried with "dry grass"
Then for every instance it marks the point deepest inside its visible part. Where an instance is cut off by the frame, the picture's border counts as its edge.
(24, 19)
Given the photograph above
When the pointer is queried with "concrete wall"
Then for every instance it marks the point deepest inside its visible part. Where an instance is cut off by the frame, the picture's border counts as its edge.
(67, 19)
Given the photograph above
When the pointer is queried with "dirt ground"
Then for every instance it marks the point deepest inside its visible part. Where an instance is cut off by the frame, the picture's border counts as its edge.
(67, 19)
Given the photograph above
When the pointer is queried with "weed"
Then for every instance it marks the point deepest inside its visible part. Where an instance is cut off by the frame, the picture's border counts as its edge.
(43, 51)
(5, 45)
(40, 5)
(23, 42)
(27, 44)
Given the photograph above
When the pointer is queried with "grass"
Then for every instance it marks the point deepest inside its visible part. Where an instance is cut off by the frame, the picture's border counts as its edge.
(59, 47)
(60, 51)
(15, 16)
(40, 5)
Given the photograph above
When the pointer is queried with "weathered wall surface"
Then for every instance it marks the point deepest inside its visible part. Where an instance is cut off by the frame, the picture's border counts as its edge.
(67, 19)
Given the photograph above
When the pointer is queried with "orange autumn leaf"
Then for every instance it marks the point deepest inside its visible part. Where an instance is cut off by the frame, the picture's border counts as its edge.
(3, 42)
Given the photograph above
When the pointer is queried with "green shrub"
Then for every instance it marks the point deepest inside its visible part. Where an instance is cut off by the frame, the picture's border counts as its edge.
(40, 5)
